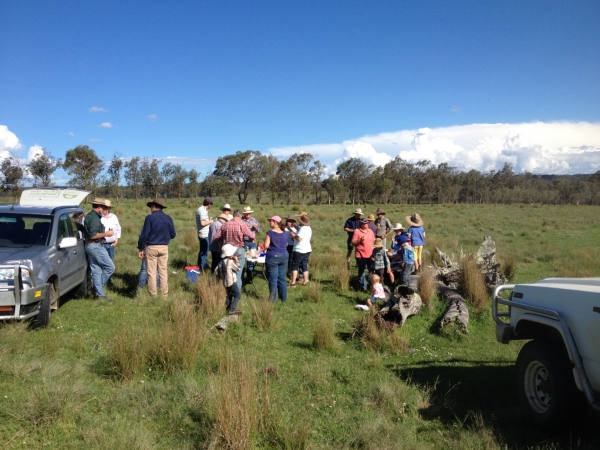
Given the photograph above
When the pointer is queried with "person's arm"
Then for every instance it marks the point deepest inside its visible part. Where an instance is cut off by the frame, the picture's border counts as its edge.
(256, 226)
(267, 241)
(356, 239)
(247, 232)
(143, 239)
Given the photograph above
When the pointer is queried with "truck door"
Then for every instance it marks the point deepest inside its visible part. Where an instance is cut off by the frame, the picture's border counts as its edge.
(70, 270)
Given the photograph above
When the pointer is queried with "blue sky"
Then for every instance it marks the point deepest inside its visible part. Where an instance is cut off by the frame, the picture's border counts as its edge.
(188, 81)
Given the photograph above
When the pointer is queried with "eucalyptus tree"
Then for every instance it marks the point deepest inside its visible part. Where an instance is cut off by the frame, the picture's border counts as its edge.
(42, 167)
(240, 170)
(84, 166)
(174, 176)
(133, 175)
(12, 176)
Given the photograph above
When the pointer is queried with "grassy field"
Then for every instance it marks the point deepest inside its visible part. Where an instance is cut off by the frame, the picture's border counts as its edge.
(144, 373)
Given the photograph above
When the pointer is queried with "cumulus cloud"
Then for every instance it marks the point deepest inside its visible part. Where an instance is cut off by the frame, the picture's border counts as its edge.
(537, 147)
(105, 125)
(9, 142)
(153, 117)
(97, 109)
(189, 161)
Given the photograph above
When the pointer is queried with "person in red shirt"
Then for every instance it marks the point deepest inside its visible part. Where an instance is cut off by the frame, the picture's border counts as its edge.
(363, 240)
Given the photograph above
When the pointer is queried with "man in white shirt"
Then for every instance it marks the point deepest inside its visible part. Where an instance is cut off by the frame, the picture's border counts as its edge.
(110, 222)
(203, 221)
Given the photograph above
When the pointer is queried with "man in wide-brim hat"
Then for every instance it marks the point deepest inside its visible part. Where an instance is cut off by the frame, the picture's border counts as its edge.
(384, 226)
(95, 235)
(416, 233)
(153, 244)
(351, 225)
(254, 226)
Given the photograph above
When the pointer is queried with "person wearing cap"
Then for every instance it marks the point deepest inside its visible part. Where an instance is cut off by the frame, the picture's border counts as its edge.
(250, 244)
(214, 245)
(380, 263)
(234, 232)
(94, 233)
(153, 244)
(363, 240)
(372, 226)
(384, 226)
(276, 259)
(290, 228)
(111, 222)
(399, 230)
(203, 221)
(351, 225)
(417, 236)
(227, 270)
(302, 249)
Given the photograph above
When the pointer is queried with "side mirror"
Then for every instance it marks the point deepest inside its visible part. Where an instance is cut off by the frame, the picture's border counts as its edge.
(68, 242)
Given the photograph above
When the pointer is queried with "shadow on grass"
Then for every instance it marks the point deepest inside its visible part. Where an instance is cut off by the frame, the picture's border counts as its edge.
(460, 393)
(127, 287)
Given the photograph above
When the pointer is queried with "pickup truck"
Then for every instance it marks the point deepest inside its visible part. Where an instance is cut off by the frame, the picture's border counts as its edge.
(561, 318)
(42, 254)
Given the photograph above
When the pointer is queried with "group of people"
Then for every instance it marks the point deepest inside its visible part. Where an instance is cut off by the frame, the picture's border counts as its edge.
(231, 235)
(367, 236)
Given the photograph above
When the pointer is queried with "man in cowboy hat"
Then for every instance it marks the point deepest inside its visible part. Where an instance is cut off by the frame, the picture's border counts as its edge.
(95, 235)
(350, 226)
(363, 240)
(226, 209)
(110, 222)
(214, 245)
(234, 232)
(153, 244)
(372, 226)
(384, 226)
(417, 236)
(203, 221)
(253, 226)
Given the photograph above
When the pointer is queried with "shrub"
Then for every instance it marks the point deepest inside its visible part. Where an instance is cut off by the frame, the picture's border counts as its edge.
(472, 284)
(312, 292)
(262, 313)
(323, 332)
(427, 286)
(508, 266)
(210, 297)
(377, 335)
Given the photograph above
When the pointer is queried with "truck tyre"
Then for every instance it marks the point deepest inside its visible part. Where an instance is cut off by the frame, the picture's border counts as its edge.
(545, 383)
(42, 320)
(85, 288)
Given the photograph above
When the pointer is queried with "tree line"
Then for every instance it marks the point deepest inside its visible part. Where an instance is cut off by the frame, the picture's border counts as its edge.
(253, 177)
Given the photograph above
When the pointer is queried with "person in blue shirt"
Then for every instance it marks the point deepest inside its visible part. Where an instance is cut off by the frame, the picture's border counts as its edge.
(408, 260)
(417, 236)
(153, 245)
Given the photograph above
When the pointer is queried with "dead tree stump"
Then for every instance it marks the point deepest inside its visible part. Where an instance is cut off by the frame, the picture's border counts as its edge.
(405, 302)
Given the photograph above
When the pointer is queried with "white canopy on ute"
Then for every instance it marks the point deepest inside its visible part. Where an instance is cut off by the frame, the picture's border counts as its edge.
(52, 197)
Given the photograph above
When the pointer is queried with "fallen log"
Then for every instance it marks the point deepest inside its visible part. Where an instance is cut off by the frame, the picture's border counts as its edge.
(456, 311)
(405, 302)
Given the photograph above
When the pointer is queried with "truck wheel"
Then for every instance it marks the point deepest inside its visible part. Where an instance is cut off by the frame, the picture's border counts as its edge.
(84, 289)
(42, 319)
(545, 383)
(54, 300)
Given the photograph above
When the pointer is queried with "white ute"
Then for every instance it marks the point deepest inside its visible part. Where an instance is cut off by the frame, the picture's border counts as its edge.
(561, 316)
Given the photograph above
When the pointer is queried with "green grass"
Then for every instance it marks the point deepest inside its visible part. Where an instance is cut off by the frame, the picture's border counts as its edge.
(284, 382)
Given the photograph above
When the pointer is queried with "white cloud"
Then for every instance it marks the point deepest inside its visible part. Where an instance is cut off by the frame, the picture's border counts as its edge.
(105, 125)
(34, 151)
(189, 161)
(95, 140)
(537, 147)
(71, 134)
(153, 117)
(97, 109)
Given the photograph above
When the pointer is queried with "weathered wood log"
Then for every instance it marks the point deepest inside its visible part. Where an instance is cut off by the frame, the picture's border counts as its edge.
(405, 302)
(456, 311)
(222, 324)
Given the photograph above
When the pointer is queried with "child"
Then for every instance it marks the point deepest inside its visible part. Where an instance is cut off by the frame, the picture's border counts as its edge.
(380, 263)
(227, 271)
(408, 260)
(377, 292)
(417, 235)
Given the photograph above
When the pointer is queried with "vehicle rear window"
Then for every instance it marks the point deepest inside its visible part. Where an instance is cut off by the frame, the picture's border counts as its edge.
(19, 230)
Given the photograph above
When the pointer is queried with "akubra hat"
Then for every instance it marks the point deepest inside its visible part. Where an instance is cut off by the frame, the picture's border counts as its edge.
(378, 243)
(158, 202)
(363, 221)
(99, 201)
(304, 220)
(247, 210)
(226, 206)
(415, 220)
(371, 218)
(358, 211)
(398, 227)
(107, 203)
(380, 211)
(290, 218)
(225, 217)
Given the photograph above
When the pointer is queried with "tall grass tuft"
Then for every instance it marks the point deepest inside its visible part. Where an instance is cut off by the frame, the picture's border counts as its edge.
(508, 266)
(210, 297)
(312, 292)
(472, 284)
(127, 352)
(262, 313)
(323, 333)
(336, 263)
(377, 335)
(235, 403)
(427, 286)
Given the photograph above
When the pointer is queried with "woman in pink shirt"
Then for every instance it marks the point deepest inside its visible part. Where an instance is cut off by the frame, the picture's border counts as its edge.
(363, 240)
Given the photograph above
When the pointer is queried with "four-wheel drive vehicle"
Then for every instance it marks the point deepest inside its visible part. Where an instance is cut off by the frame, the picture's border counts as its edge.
(561, 316)
(42, 254)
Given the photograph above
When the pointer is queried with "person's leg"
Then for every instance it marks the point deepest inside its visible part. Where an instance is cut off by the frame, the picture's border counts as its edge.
(215, 260)
(241, 255)
(349, 254)
(151, 267)
(235, 297)
(250, 265)
(110, 250)
(107, 264)
(91, 251)
(143, 275)
(289, 267)
(272, 276)
(304, 267)
(281, 278)
(162, 262)
(408, 268)
(295, 267)
(361, 264)
(203, 254)
(229, 297)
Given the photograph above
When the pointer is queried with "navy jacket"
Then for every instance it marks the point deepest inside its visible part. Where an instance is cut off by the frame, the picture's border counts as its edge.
(158, 230)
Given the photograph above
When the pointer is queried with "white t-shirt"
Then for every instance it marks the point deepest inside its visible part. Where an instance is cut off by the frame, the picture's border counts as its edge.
(303, 246)
(202, 214)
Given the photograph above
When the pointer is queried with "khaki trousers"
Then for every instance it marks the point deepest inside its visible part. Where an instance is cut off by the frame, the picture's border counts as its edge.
(157, 256)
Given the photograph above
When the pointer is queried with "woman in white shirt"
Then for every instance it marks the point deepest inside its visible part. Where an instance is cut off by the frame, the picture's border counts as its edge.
(301, 250)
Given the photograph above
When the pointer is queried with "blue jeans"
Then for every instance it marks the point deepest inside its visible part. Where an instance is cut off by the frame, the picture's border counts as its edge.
(276, 274)
(110, 250)
(101, 265)
(233, 297)
(250, 268)
(241, 255)
(406, 271)
(361, 264)
(143, 276)
(203, 253)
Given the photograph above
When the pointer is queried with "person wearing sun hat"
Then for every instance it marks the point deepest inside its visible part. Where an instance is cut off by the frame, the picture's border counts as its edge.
(213, 244)
(290, 227)
(153, 244)
(254, 226)
(372, 226)
(111, 222)
(227, 270)
(203, 221)
(350, 227)
(384, 226)
(302, 249)
(276, 259)
(380, 262)
(94, 233)
(416, 233)
(363, 240)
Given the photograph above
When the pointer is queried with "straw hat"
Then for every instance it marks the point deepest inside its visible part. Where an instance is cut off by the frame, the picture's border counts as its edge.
(304, 220)
(158, 202)
(371, 218)
(415, 220)
(358, 211)
(99, 201)
(302, 213)
(247, 210)
(107, 203)
(225, 217)
(398, 226)
(378, 243)
(226, 206)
